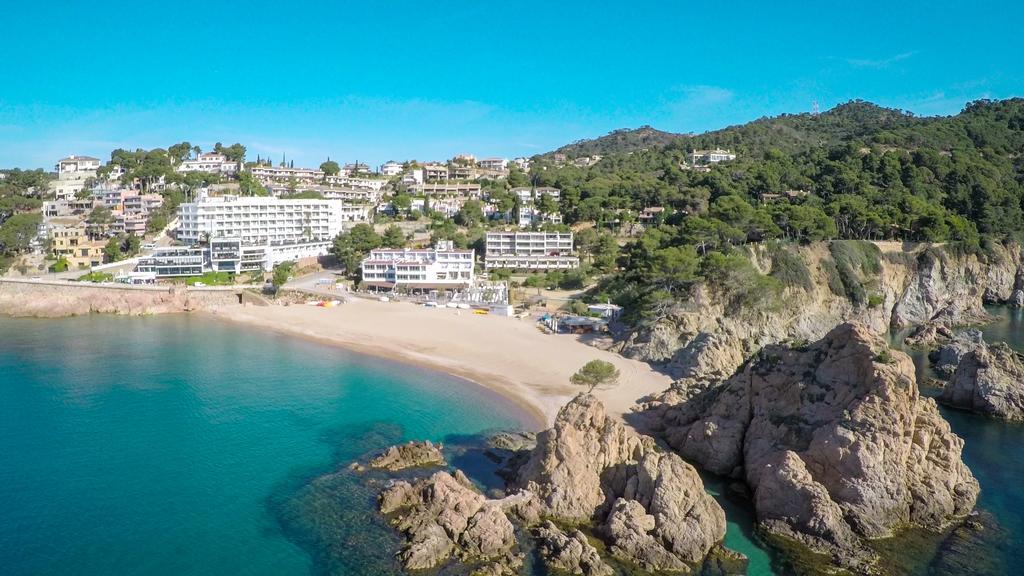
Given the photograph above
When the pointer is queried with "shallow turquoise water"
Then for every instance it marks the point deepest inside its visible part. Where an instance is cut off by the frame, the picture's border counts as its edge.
(181, 445)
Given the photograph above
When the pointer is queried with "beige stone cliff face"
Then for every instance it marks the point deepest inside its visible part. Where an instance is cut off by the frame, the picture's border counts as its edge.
(705, 338)
(55, 300)
(834, 440)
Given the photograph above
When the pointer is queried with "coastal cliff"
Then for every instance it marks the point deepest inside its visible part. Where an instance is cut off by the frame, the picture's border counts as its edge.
(60, 299)
(834, 441)
(888, 286)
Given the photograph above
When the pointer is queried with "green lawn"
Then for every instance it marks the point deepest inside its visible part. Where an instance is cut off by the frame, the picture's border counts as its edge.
(212, 279)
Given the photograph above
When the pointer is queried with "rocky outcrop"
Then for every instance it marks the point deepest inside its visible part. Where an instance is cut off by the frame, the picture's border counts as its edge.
(569, 553)
(58, 299)
(442, 517)
(651, 506)
(988, 380)
(410, 455)
(707, 338)
(946, 358)
(834, 441)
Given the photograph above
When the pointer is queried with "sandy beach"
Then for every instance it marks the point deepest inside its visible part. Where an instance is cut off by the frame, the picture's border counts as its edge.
(509, 356)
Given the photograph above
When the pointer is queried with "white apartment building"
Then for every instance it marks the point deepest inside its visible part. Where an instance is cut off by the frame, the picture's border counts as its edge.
(209, 162)
(440, 268)
(528, 214)
(357, 182)
(441, 189)
(530, 251)
(711, 156)
(391, 168)
(497, 164)
(259, 220)
(77, 167)
(283, 175)
(234, 256)
(170, 261)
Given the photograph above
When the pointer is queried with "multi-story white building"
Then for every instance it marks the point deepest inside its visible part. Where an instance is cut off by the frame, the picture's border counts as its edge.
(440, 189)
(259, 220)
(391, 168)
(530, 251)
(77, 167)
(209, 162)
(497, 164)
(282, 175)
(357, 182)
(698, 157)
(528, 214)
(169, 261)
(440, 268)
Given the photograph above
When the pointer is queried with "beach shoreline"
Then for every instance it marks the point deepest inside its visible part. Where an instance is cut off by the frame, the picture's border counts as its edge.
(510, 357)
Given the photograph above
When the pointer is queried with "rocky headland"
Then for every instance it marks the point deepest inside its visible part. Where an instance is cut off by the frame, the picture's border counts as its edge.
(884, 286)
(834, 441)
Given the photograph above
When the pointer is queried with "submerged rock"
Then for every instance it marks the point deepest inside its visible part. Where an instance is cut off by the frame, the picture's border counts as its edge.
(835, 442)
(442, 517)
(410, 455)
(988, 380)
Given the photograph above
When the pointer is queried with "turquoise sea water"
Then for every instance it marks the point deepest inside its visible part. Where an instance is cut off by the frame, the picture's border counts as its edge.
(180, 445)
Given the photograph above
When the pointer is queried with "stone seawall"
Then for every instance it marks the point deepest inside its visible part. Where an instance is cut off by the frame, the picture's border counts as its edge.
(54, 299)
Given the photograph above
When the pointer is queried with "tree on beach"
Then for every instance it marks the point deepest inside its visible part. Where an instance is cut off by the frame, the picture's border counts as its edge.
(596, 374)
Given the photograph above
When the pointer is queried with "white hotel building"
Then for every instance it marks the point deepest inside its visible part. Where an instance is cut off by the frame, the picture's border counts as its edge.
(440, 268)
(530, 251)
(278, 230)
(211, 162)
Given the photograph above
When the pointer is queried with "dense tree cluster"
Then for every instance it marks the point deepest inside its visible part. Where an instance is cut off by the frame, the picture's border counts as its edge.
(857, 172)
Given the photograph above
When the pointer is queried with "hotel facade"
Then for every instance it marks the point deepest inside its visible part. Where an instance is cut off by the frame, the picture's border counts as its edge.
(249, 233)
(440, 268)
(530, 251)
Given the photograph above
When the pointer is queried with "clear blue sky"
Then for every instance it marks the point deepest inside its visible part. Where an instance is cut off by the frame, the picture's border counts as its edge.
(379, 80)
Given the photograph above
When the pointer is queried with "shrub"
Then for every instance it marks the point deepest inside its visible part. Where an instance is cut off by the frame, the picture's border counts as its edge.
(790, 269)
(875, 300)
(855, 260)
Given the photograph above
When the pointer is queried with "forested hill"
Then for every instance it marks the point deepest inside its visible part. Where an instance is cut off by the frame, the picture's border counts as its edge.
(617, 142)
(855, 172)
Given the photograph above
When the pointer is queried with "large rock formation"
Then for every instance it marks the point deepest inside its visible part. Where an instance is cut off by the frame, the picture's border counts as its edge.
(835, 442)
(569, 553)
(946, 358)
(988, 380)
(650, 505)
(443, 516)
(409, 455)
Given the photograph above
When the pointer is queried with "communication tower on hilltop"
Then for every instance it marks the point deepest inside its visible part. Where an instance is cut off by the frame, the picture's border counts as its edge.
(814, 108)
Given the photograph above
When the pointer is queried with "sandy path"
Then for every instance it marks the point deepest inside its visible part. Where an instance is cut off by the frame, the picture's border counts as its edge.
(507, 355)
